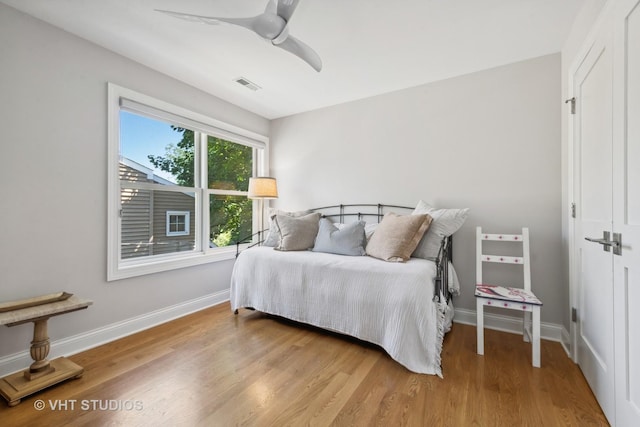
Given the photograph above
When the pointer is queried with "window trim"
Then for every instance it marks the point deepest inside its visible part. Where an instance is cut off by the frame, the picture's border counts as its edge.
(129, 100)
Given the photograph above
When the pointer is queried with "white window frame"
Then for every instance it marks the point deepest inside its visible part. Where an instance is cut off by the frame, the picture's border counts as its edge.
(120, 98)
(187, 223)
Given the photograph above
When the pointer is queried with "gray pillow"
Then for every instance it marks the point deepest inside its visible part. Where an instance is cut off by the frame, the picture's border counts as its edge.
(273, 237)
(348, 240)
(445, 223)
(297, 233)
(397, 236)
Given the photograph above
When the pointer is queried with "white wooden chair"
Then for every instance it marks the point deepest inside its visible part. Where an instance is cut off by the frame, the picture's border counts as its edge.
(512, 298)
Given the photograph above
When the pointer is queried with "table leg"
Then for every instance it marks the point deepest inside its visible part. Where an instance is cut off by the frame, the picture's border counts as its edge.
(39, 350)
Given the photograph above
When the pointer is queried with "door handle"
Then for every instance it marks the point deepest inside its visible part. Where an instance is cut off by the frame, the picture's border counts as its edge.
(616, 243)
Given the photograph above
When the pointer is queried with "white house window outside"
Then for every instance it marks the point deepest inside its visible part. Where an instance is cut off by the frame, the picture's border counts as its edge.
(178, 185)
(178, 223)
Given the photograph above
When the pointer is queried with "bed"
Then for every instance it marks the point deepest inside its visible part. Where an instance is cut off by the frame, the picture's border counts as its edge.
(404, 307)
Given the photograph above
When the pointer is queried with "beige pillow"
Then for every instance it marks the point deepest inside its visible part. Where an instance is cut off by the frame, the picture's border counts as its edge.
(397, 236)
(296, 233)
(273, 238)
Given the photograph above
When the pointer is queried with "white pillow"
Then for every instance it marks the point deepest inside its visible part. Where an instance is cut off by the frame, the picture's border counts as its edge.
(369, 229)
(445, 223)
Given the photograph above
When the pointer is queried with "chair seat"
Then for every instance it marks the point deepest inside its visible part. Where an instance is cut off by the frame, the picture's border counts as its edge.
(507, 294)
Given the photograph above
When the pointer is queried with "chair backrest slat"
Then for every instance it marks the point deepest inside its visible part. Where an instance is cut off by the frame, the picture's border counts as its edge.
(524, 260)
(503, 259)
(502, 237)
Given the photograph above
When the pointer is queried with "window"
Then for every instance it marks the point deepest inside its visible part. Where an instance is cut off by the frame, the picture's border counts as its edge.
(178, 185)
(178, 223)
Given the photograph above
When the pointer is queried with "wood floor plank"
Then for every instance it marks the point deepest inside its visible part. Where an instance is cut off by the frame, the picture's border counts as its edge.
(214, 368)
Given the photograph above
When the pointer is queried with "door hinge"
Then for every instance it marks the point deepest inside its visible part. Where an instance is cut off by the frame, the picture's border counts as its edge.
(574, 314)
(573, 210)
(573, 104)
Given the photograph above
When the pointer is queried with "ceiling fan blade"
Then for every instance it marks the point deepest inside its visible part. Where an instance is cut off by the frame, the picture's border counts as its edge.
(189, 17)
(211, 20)
(286, 8)
(268, 25)
(271, 8)
(242, 22)
(302, 51)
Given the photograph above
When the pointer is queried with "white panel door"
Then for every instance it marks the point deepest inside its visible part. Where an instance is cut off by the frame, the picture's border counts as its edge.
(593, 147)
(626, 211)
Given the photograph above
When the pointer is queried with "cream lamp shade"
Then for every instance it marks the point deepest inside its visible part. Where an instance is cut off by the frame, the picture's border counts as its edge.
(263, 187)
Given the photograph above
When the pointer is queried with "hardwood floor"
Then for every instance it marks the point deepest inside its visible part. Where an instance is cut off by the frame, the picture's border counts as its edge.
(216, 369)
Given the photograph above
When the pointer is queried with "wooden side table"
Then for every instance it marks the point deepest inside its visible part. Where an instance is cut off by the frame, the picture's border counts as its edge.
(42, 373)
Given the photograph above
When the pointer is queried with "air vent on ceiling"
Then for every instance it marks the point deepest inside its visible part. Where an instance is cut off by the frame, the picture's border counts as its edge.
(247, 83)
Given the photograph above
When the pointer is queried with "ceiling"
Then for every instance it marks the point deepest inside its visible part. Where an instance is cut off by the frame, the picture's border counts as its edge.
(368, 47)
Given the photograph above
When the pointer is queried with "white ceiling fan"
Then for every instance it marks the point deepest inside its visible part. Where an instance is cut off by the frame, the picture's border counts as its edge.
(272, 25)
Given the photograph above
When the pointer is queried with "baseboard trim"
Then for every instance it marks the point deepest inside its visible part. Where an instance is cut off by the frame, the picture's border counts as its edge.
(498, 322)
(566, 342)
(87, 340)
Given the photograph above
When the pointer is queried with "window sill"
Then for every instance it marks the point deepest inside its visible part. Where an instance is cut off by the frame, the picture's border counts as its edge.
(166, 263)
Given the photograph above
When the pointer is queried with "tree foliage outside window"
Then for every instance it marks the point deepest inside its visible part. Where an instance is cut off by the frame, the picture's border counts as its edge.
(229, 167)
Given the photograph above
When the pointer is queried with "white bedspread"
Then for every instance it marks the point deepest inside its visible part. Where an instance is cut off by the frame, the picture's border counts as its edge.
(389, 304)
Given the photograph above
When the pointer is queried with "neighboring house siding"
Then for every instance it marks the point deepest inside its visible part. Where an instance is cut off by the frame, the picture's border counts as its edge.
(137, 206)
(165, 201)
(144, 218)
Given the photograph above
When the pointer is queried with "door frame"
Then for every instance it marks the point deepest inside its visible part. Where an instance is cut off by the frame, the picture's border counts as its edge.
(603, 19)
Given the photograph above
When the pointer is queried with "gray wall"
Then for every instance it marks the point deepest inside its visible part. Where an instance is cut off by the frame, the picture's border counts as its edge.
(489, 141)
(53, 179)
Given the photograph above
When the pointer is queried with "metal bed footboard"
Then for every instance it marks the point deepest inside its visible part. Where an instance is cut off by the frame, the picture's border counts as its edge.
(442, 271)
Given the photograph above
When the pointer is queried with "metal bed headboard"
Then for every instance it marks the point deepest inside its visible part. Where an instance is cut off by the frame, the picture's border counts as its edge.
(352, 210)
(343, 211)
